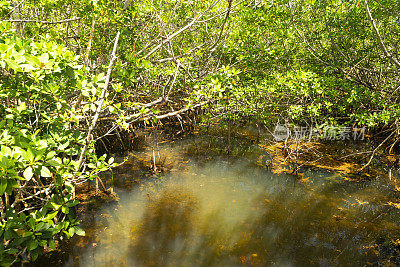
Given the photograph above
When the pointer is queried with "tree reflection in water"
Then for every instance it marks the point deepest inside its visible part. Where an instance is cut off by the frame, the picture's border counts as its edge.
(217, 216)
(163, 236)
(286, 228)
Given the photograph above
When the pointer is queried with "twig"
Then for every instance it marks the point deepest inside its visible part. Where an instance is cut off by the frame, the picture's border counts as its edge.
(354, 154)
(90, 41)
(223, 25)
(312, 51)
(374, 151)
(141, 106)
(174, 113)
(40, 21)
(172, 36)
(173, 81)
(12, 10)
(159, 100)
(379, 37)
(102, 96)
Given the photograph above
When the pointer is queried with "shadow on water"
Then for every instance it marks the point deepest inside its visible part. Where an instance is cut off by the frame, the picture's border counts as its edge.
(221, 214)
(216, 212)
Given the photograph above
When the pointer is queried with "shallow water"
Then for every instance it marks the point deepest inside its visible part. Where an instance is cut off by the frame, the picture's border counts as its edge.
(232, 213)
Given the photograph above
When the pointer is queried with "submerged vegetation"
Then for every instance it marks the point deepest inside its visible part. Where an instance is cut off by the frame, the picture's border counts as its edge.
(77, 78)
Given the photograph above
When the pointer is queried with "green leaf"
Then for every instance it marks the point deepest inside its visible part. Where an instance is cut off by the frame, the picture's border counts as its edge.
(79, 231)
(32, 245)
(54, 205)
(71, 231)
(21, 107)
(28, 154)
(5, 162)
(52, 244)
(65, 209)
(6, 150)
(28, 173)
(12, 251)
(53, 163)
(39, 226)
(27, 233)
(45, 172)
(3, 48)
(50, 155)
(51, 215)
(8, 234)
(11, 63)
(3, 186)
(34, 254)
(34, 59)
(32, 222)
(73, 203)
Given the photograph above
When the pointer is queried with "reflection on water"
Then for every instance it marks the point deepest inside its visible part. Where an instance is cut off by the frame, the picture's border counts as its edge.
(222, 214)
(165, 229)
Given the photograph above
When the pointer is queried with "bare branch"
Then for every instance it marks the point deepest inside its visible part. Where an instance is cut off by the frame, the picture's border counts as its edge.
(374, 151)
(40, 21)
(172, 36)
(102, 96)
(174, 113)
(14, 8)
(90, 41)
(379, 37)
(223, 26)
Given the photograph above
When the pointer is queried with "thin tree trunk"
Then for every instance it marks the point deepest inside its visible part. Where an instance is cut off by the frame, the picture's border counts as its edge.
(102, 96)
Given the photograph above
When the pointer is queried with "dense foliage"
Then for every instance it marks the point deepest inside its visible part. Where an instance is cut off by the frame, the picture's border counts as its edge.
(318, 62)
(39, 143)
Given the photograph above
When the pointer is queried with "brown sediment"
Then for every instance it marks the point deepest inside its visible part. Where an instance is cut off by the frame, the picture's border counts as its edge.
(338, 157)
(310, 154)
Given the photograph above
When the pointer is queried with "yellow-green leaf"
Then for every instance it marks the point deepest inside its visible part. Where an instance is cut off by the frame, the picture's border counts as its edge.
(45, 172)
(28, 173)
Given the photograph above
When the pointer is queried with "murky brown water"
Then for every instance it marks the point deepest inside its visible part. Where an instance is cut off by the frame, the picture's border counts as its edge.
(234, 213)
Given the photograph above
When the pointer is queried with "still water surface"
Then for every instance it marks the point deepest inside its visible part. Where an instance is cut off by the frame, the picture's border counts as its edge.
(232, 213)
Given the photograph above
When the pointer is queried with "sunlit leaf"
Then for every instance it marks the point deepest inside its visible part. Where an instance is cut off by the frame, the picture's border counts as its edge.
(28, 173)
(45, 172)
